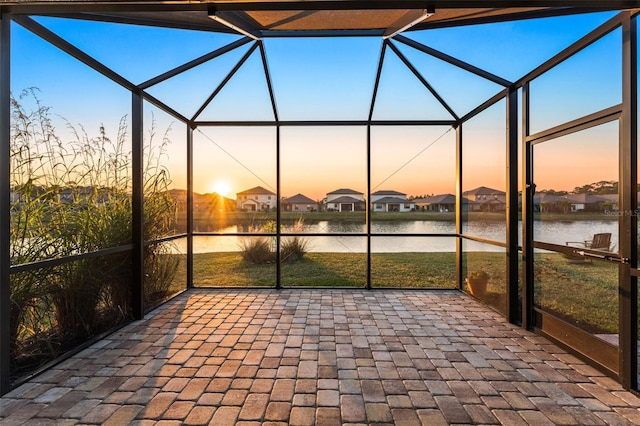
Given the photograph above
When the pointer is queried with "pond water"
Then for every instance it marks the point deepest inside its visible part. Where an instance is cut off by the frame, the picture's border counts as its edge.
(558, 232)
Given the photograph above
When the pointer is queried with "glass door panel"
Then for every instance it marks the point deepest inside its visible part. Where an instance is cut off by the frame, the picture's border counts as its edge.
(575, 224)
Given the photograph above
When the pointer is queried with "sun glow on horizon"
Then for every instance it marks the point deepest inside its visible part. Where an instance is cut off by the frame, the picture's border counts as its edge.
(222, 187)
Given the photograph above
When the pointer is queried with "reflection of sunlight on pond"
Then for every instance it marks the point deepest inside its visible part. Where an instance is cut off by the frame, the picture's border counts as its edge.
(558, 232)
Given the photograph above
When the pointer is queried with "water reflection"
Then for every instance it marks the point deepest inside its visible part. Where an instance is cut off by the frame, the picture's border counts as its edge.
(558, 232)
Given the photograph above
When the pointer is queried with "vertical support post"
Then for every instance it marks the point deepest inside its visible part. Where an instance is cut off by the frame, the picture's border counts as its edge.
(5, 204)
(527, 216)
(278, 213)
(137, 222)
(628, 157)
(459, 159)
(367, 217)
(512, 206)
(189, 206)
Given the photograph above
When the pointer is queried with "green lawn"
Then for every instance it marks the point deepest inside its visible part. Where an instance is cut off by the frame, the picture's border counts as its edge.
(329, 270)
(584, 294)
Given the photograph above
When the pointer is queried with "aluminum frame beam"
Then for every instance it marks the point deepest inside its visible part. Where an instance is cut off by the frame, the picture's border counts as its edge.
(224, 82)
(424, 82)
(137, 203)
(453, 61)
(236, 6)
(513, 254)
(194, 63)
(72, 50)
(5, 204)
(628, 230)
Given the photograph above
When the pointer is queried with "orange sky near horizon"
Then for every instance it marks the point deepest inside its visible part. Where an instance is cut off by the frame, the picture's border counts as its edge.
(410, 159)
(318, 160)
(315, 161)
(577, 159)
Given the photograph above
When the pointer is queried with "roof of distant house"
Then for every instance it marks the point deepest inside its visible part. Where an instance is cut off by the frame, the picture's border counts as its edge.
(346, 200)
(586, 198)
(344, 191)
(549, 198)
(611, 197)
(483, 190)
(388, 192)
(392, 200)
(298, 199)
(437, 199)
(489, 201)
(258, 190)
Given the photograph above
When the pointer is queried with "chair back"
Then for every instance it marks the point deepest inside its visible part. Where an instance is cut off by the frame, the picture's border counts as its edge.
(601, 241)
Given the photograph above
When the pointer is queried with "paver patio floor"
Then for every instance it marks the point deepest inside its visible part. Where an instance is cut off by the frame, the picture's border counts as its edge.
(324, 357)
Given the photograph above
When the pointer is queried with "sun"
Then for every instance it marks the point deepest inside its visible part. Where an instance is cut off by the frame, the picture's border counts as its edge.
(222, 187)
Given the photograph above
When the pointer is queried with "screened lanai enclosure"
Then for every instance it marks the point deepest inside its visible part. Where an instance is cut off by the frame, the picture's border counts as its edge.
(149, 148)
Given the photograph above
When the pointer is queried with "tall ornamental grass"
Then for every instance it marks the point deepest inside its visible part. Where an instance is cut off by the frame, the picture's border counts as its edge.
(72, 196)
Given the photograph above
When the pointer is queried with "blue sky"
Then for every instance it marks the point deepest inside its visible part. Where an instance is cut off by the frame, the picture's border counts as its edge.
(321, 78)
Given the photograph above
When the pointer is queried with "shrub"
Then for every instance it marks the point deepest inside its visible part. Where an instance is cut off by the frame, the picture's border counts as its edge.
(260, 250)
(257, 251)
(293, 249)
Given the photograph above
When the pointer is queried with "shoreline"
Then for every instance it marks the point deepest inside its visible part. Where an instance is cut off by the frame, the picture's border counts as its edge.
(235, 217)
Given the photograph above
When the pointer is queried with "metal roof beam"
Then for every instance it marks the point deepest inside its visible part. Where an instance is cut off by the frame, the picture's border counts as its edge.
(194, 63)
(595, 35)
(267, 75)
(72, 50)
(225, 81)
(424, 82)
(377, 81)
(232, 22)
(240, 6)
(255, 6)
(453, 61)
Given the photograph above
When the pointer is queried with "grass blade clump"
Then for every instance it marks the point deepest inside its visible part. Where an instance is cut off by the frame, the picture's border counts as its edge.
(72, 197)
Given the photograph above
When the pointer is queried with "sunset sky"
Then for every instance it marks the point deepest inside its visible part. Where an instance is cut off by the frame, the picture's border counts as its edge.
(332, 79)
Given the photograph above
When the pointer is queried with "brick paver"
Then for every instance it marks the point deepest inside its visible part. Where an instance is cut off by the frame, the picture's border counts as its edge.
(305, 357)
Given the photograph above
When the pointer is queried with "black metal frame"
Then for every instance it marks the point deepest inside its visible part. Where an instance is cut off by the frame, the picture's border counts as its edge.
(628, 297)
(5, 194)
(626, 113)
(619, 361)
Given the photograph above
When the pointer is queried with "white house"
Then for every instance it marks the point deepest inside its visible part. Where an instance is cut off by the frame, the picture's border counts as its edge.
(391, 201)
(345, 200)
(256, 199)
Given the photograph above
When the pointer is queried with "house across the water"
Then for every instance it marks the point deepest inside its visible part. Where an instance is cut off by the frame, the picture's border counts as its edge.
(256, 199)
(391, 201)
(441, 203)
(484, 199)
(299, 203)
(345, 200)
